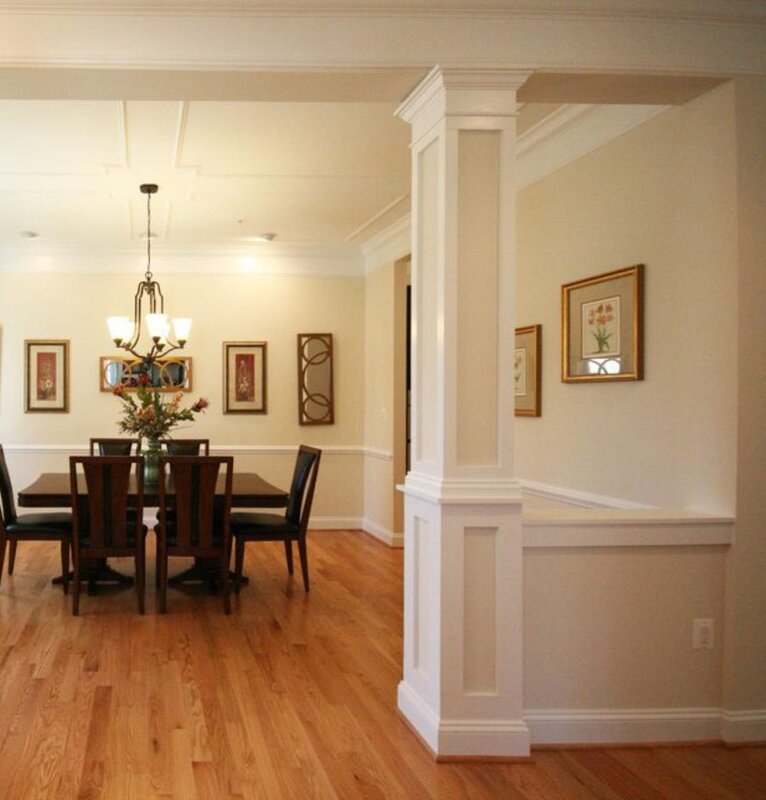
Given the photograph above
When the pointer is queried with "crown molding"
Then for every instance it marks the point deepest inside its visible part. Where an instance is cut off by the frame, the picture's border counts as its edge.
(711, 11)
(337, 260)
(572, 132)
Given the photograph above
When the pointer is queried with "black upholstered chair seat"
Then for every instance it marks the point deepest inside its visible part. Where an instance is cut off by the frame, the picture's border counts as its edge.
(255, 526)
(41, 526)
(291, 527)
(49, 525)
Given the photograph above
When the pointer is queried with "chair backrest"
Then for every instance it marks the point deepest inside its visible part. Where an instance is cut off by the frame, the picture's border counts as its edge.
(113, 447)
(7, 503)
(187, 447)
(200, 520)
(100, 519)
(302, 487)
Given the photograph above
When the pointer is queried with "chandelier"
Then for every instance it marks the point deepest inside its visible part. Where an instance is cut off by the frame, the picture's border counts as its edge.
(126, 333)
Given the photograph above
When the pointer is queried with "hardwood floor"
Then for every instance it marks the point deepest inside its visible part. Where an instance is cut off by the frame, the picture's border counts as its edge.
(293, 697)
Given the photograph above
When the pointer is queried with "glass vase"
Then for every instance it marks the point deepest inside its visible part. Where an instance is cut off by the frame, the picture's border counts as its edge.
(151, 465)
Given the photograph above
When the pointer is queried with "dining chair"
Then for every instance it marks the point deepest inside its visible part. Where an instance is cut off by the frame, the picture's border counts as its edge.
(187, 447)
(193, 522)
(114, 447)
(105, 523)
(49, 526)
(247, 526)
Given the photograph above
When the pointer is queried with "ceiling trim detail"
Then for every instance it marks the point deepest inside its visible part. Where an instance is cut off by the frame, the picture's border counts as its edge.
(731, 11)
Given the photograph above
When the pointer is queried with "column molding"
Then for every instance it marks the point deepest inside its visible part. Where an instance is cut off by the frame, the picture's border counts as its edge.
(462, 686)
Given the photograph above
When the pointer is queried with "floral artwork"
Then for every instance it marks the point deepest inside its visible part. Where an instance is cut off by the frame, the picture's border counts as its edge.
(244, 377)
(601, 327)
(244, 389)
(527, 371)
(46, 376)
(147, 414)
(519, 372)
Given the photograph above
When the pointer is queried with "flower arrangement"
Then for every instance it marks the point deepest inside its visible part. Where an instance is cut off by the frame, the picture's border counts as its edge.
(148, 415)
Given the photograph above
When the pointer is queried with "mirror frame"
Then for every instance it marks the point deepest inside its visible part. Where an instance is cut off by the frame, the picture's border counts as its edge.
(129, 363)
(323, 360)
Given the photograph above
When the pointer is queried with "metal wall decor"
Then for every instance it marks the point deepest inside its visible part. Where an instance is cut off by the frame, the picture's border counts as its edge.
(172, 374)
(316, 404)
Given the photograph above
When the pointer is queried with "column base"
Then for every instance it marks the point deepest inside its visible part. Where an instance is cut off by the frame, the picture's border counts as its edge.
(505, 740)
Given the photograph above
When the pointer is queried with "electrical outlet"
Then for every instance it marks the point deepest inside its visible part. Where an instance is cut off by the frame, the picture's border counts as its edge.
(703, 634)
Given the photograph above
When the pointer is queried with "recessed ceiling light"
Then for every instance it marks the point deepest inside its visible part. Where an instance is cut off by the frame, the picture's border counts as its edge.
(262, 237)
(29, 234)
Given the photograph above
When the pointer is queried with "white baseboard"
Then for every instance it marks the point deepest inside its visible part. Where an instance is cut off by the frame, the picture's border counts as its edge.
(624, 726)
(383, 534)
(456, 738)
(739, 727)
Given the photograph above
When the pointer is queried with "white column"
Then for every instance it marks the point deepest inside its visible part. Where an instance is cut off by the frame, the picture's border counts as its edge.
(462, 686)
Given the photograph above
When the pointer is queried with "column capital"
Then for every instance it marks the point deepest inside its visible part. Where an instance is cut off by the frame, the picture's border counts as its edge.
(463, 91)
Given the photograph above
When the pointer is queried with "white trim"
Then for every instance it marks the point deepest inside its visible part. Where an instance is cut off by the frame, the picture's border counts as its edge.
(576, 497)
(332, 260)
(418, 714)
(744, 726)
(485, 737)
(382, 534)
(457, 491)
(572, 132)
(388, 245)
(380, 455)
(659, 527)
(742, 12)
(624, 726)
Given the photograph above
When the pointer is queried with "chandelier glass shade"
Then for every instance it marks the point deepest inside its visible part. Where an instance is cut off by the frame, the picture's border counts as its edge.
(149, 301)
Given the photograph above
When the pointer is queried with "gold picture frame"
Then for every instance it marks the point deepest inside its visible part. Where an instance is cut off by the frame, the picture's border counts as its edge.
(244, 378)
(602, 327)
(527, 371)
(46, 376)
(170, 374)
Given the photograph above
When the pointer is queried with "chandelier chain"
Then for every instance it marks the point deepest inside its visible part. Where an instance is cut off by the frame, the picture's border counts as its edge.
(148, 274)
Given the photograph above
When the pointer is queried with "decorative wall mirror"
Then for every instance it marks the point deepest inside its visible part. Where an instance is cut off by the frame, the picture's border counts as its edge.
(167, 374)
(316, 405)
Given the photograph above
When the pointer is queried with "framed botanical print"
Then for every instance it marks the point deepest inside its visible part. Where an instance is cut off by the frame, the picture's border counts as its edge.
(527, 371)
(46, 375)
(244, 377)
(602, 327)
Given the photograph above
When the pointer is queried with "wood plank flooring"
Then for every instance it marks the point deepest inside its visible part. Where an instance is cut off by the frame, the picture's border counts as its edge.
(293, 697)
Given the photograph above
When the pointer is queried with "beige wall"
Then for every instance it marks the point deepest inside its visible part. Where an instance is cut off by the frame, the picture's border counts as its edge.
(745, 665)
(664, 195)
(611, 628)
(229, 307)
(385, 393)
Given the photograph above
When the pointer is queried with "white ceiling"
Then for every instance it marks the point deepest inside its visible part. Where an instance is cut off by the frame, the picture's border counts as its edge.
(311, 172)
(316, 157)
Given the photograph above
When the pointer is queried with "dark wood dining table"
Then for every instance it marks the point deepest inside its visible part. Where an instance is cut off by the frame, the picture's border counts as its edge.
(249, 490)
